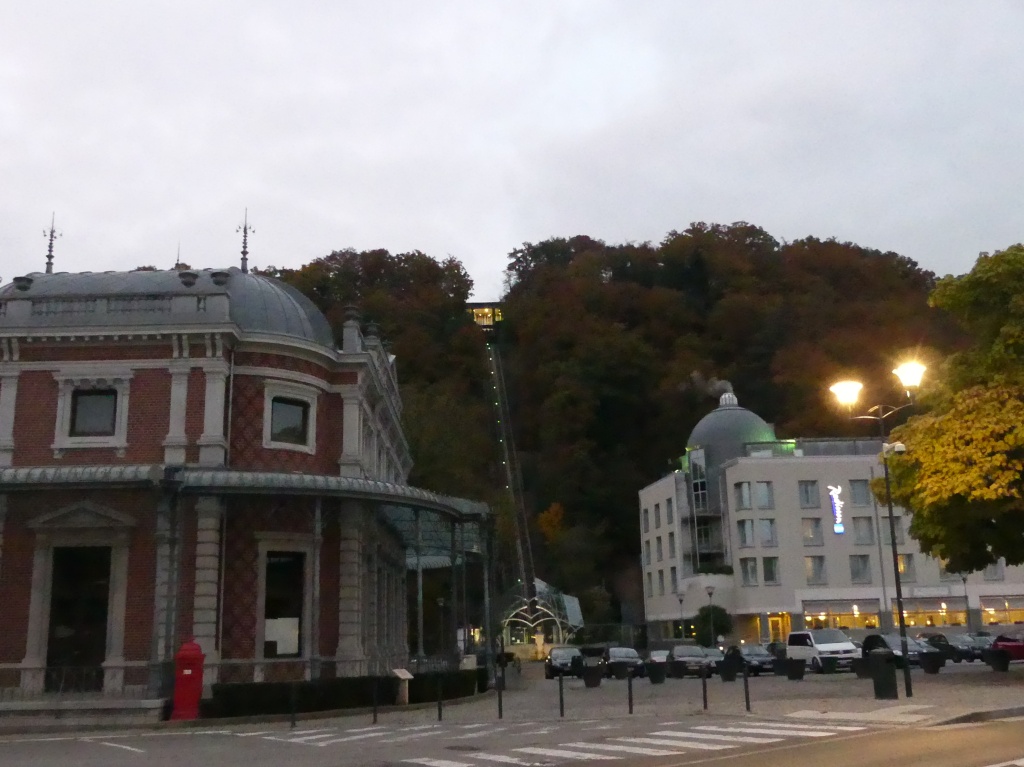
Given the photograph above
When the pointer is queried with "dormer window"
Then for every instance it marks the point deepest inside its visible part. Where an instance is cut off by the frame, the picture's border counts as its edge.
(289, 416)
(92, 409)
(93, 413)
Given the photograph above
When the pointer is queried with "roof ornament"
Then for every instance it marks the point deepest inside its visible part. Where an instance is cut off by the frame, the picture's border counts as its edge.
(245, 229)
(52, 235)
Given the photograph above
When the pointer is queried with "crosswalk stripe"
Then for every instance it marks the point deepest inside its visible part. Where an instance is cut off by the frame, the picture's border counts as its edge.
(565, 754)
(680, 743)
(437, 762)
(348, 738)
(716, 736)
(767, 731)
(478, 733)
(366, 729)
(413, 736)
(640, 750)
(505, 759)
(309, 732)
(253, 734)
(311, 738)
(1018, 763)
(471, 726)
(788, 726)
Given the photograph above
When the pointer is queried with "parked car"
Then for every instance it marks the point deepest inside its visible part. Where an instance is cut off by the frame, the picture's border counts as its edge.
(691, 657)
(559, 661)
(954, 647)
(757, 658)
(626, 655)
(715, 657)
(893, 643)
(814, 644)
(1012, 643)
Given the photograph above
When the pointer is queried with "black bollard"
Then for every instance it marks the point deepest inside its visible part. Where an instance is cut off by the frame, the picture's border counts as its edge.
(746, 686)
(375, 681)
(501, 690)
(629, 687)
(561, 697)
(293, 701)
(704, 685)
(439, 715)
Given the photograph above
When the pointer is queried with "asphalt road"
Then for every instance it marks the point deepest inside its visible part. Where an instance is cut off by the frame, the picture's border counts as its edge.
(650, 741)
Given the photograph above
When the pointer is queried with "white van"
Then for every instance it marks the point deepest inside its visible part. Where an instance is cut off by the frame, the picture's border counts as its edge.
(814, 644)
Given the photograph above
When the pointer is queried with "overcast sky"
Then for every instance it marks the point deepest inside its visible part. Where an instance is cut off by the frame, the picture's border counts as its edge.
(466, 128)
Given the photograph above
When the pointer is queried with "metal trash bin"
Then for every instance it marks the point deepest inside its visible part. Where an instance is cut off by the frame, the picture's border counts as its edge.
(883, 674)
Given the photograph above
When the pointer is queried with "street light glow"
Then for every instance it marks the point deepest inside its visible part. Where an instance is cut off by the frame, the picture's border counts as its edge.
(910, 374)
(847, 392)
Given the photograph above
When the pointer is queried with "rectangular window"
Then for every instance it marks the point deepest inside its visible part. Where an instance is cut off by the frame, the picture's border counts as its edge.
(289, 421)
(814, 569)
(863, 531)
(768, 536)
(674, 578)
(946, 575)
(647, 552)
(650, 584)
(860, 493)
(994, 572)
(812, 531)
(887, 536)
(770, 568)
(860, 568)
(810, 497)
(93, 413)
(282, 607)
(671, 545)
(661, 583)
(661, 554)
(742, 492)
(668, 511)
(745, 530)
(646, 521)
(907, 571)
(765, 495)
(748, 569)
(657, 516)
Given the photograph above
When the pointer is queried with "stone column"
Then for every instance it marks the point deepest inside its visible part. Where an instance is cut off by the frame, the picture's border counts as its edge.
(176, 441)
(764, 628)
(212, 444)
(351, 653)
(8, 398)
(3, 520)
(205, 599)
(349, 462)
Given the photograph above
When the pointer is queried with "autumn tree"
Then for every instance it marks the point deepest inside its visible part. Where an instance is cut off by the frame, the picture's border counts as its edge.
(963, 473)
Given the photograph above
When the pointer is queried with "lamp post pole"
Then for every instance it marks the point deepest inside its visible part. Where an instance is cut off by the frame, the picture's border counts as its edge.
(897, 580)
(847, 392)
(682, 618)
(711, 613)
(967, 605)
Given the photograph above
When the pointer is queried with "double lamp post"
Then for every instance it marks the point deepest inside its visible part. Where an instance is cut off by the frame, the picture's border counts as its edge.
(848, 392)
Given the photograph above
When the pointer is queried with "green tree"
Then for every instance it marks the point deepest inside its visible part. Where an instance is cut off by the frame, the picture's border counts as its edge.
(710, 623)
(962, 473)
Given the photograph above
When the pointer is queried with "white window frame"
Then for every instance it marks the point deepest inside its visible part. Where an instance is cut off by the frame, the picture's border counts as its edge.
(855, 498)
(871, 529)
(741, 491)
(768, 502)
(68, 382)
(294, 391)
(748, 571)
(811, 581)
(865, 577)
(744, 526)
(773, 541)
(813, 500)
(764, 571)
(300, 543)
(671, 545)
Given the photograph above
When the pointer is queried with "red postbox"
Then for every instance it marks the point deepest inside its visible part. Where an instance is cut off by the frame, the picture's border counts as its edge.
(188, 681)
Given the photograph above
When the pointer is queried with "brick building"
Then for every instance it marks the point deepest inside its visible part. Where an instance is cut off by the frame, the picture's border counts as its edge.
(190, 454)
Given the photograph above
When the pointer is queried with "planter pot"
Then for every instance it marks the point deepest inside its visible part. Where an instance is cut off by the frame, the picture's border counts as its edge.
(592, 676)
(795, 668)
(676, 669)
(779, 667)
(999, 660)
(931, 662)
(861, 668)
(620, 669)
(656, 672)
(829, 665)
(727, 671)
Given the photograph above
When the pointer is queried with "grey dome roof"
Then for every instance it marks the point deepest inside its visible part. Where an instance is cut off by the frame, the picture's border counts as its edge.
(256, 304)
(728, 427)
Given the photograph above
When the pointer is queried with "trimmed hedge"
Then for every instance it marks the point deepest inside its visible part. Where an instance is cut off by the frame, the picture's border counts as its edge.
(257, 698)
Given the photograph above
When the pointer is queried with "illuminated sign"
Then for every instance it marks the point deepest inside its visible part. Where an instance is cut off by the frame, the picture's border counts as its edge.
(837, 508)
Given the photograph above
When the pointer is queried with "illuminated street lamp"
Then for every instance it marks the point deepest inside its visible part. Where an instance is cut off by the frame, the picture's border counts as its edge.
(711, 613)
(682, 618)
(847, 393)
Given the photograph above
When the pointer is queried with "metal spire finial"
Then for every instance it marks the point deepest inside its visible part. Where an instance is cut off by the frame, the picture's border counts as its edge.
(53, 234)
(246, 230)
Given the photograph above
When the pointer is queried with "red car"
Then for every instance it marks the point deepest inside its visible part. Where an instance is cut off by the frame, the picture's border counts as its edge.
(1013, 644)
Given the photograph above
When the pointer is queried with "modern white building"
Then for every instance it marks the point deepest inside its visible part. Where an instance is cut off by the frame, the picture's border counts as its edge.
(785, 534)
